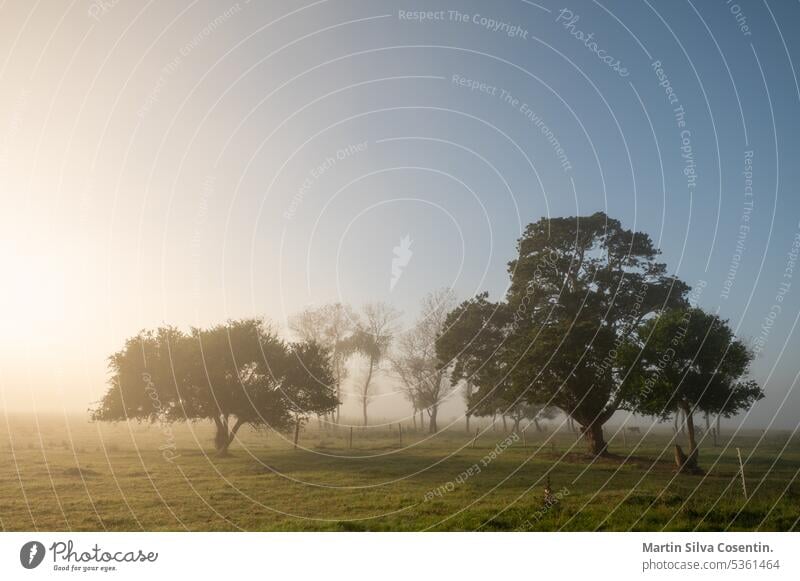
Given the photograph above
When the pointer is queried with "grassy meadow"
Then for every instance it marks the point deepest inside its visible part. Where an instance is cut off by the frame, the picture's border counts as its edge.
(61, 474)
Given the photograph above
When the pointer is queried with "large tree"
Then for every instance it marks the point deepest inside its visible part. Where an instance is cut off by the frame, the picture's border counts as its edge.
(687, 362)
(579, 286)
(233, 374)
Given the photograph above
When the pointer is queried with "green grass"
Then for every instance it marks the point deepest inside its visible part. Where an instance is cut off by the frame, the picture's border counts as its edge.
(73, 475)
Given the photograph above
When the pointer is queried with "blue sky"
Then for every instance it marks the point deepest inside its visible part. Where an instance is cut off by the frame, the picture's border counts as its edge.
(208, 160)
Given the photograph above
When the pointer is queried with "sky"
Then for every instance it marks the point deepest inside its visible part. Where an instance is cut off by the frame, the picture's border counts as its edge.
(190, 162)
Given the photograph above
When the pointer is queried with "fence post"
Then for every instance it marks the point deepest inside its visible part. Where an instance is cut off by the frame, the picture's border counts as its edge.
(741, 471)
(296, 433)
(477, 431)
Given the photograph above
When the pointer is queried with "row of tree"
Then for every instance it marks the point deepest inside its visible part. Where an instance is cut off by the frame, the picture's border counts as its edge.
(410, 357)
(591, 323)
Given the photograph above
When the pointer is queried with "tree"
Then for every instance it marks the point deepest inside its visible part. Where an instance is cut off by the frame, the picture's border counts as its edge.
(408, 383)
(146, 376)
(233, 374)
(331, 326)
(372, 340)
(531, 412)
(579, 287)
(689, 361)
(470, 345)
(517, 410)
(520, 411)
(424, 377)
(308, 379)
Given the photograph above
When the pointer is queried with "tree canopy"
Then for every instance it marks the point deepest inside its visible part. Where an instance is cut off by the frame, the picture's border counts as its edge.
(233, 374)
(687, 360)
(578, 287)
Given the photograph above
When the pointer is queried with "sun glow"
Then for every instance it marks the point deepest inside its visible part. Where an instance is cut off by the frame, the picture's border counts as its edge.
(33, 293)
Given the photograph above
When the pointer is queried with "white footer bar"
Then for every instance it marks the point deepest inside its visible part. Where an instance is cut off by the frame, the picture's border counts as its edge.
(406, 556)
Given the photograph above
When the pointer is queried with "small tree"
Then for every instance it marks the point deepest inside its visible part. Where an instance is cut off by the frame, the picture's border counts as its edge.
(372, 340)
(471, 346)
(408, 384)
(689, 361)
(534, 413)
(332, 327)
(308, 381)
(416, 363)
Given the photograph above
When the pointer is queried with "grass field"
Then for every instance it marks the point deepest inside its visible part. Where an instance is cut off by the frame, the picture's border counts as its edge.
(58, 474)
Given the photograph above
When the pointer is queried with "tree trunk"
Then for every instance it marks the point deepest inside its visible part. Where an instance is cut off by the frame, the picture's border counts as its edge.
(516, 425)
(414, 417)
(433, 412)
(505, 425)
(718, 432)
(467, 423)
(693, 452)
(365, 392)
(221, 441)
(593, 434)
(297, 425)
(223, 438)
(338, 405)
(536, 423)
(422, 420)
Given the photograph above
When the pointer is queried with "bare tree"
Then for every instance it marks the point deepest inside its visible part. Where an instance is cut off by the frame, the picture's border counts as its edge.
(332, 327)
(372, 340)
(426, 381)
(409, 386)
